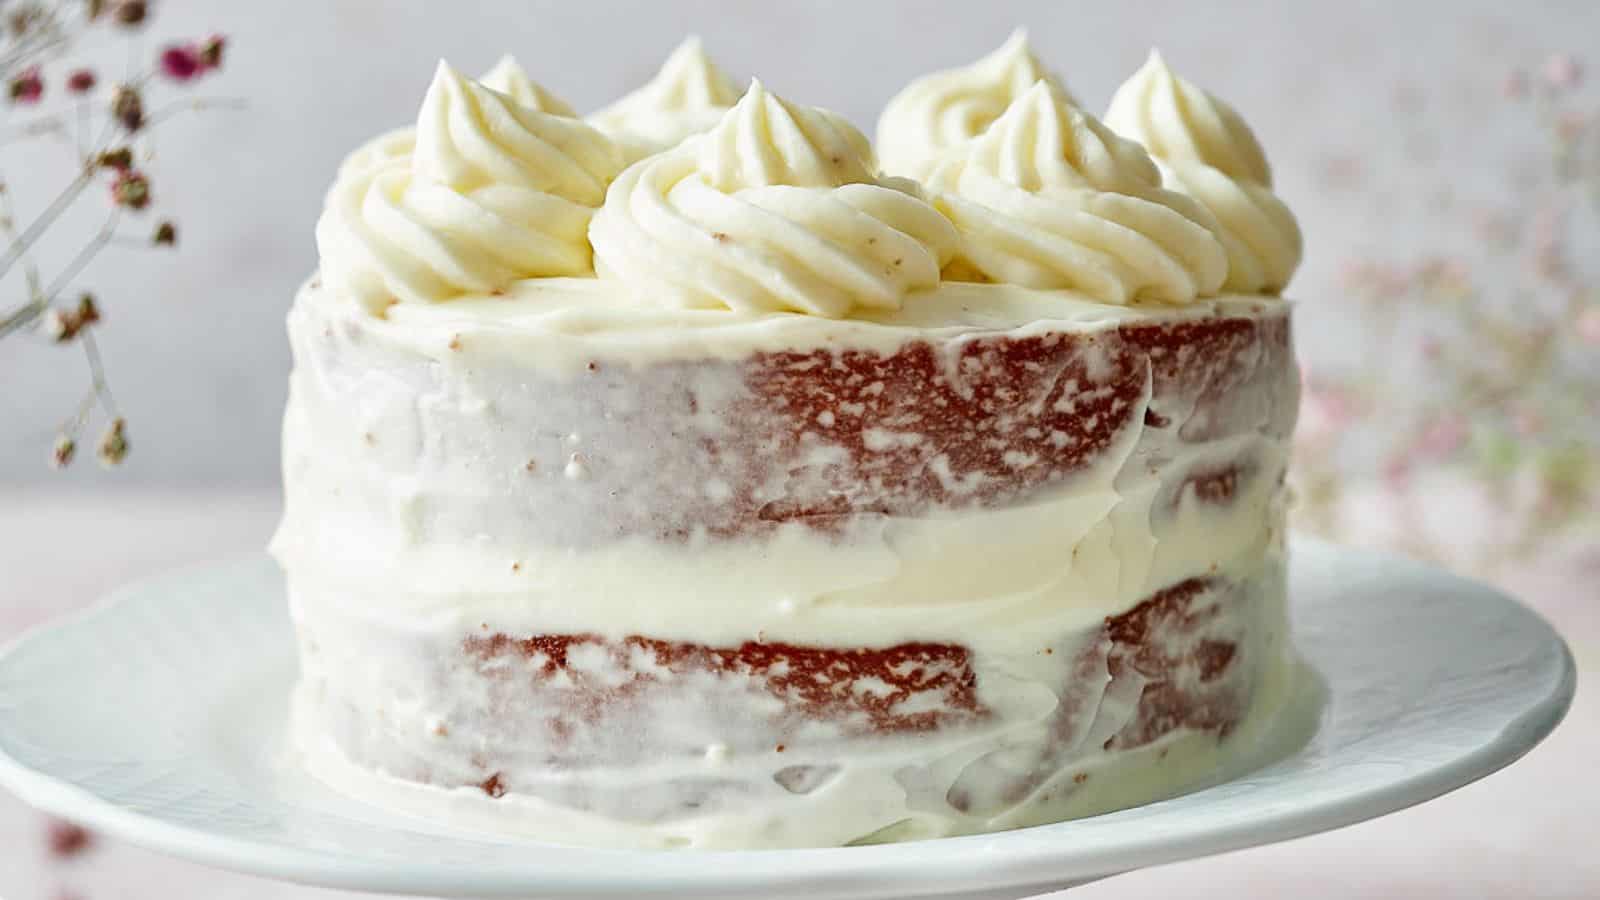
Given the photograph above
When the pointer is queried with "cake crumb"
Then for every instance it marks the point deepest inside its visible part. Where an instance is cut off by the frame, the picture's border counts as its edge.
(370, 438)
(531, 466)
(493, 787)
(721, 237)
(455, 342)
(1080, 778)
(780, 748)
(593, 366)
(516, 567)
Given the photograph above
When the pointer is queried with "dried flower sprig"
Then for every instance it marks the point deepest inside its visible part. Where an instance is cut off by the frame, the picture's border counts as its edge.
(1487, 364)
(110, 127)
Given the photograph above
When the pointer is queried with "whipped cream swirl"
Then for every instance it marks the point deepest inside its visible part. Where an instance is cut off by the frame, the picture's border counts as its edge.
(777, 208)
(947, 108)
(1050, 198)
(1208, 152)
(687, 97)
(490, 192)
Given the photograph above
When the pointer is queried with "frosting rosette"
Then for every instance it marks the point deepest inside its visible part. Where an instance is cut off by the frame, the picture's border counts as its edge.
(946, 108)
(490, 191)
(777, 208)
(509, 78)
(1208, 152)
(688, 96)
(1049, 198)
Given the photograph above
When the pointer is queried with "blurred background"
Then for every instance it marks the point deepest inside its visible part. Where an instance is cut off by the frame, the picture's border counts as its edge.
(1443, 158)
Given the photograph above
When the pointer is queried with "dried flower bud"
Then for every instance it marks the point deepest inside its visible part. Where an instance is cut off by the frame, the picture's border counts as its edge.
(166, 235)
(211, 50)
(131, 190)
(82, 81)
(87, 312)
(26, 86)
(22, 21)
(180, 63)
(131, 13)
(127, 107)
(120, 158)
(61, 456)
(62, 326)
(66, 838)
(113, 447)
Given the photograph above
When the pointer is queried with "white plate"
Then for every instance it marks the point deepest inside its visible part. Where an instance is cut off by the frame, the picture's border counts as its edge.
(156, 717)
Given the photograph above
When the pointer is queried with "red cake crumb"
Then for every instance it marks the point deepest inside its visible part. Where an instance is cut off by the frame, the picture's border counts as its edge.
(813, 681)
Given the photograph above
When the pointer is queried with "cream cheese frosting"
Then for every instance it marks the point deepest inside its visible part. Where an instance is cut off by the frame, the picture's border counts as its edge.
(688, 96)
(776, 208)
(491, 191)
(1048, 197)
(945, 109)
(1208, 152)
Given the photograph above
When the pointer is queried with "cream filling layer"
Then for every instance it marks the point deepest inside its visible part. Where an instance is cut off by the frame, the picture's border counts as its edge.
(556, 326)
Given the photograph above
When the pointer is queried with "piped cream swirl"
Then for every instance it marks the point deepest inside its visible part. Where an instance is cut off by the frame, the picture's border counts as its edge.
(688, 96)
(947, 108)
(1050, 198)
(1208, 152)
(777, 208)
(489, 192)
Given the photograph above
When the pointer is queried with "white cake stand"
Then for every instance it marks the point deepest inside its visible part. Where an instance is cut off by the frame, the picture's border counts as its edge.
(156, 716)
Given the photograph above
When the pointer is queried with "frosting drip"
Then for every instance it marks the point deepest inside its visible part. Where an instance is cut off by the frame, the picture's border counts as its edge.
(688, 96)
(1208, 152)
(948, 108)
(775, 209)
(489, 192)
(1050, 198)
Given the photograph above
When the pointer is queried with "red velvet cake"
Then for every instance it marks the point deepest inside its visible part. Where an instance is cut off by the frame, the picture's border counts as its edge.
(830, 507)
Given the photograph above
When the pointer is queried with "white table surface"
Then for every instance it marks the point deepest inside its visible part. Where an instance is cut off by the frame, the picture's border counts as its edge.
(1526, 832)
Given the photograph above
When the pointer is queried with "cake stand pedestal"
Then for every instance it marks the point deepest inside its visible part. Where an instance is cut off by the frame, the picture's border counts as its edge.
(156, 717)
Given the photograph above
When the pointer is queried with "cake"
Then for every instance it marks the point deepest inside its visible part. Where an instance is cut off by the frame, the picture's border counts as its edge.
(679, 477)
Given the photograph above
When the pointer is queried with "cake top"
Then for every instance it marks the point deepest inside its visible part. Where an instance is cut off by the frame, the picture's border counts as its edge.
(689, 193)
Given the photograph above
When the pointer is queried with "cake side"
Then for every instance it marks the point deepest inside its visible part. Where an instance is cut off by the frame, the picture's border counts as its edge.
(1077, 561)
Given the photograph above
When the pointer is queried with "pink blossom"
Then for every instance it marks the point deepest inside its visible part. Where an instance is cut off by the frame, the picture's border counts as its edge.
(27, 86)
(181, 63)
(1397, 473)
(1562, 71)
(1588, 326)
(1443, 437)
(1571, 125)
